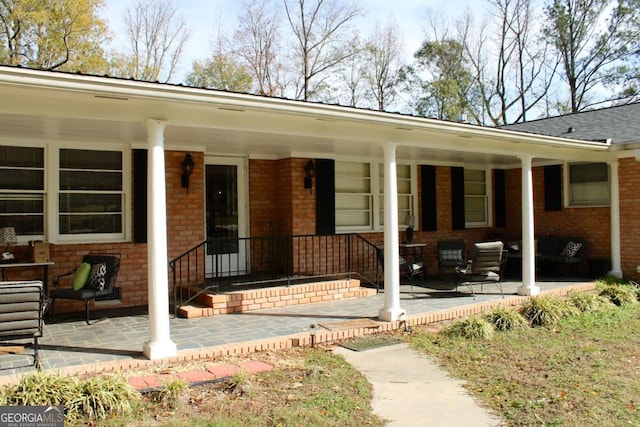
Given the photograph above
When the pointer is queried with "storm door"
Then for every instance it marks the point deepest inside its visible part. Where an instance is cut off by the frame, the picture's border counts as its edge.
(225, 218)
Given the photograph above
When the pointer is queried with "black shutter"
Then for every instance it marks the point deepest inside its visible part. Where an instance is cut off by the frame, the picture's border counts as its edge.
(457, 198)
(140, 196)
(429, 212)
(553, 188)
(325, 197)
(500, 202)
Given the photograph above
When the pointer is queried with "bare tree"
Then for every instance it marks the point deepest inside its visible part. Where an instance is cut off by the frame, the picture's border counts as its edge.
(513, 76)
(351, 87)
(156, 37)
(256, 42)
(321, 40)
(384, 50)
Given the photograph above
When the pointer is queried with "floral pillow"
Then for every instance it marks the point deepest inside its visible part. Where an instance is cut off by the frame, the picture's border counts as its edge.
(451, 255)
(97, 278)
(571, 249)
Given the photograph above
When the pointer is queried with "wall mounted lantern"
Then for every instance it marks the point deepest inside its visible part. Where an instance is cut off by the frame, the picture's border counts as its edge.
(187, 170)
(309, 174)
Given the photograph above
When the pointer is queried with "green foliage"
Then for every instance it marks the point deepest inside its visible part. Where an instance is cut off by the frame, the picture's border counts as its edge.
(546, 310)
(220, 72)
(53, 35)
(446, 90)
(171, 392)
(472, 328)
(588, 301)
(620, 295)
(96, 398)
(504, 319)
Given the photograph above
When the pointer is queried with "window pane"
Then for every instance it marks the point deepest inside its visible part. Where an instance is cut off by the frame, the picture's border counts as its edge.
(90, 159)
(360, 202)
(588, 172)
(590, 194)
(22, 179)
(353, 219)
(86, 224)
(24, 224)
(475, 200)
(22, 157)
(82, 203)
(99, 181)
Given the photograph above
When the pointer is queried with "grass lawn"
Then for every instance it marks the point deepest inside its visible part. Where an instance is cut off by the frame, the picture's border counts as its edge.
(583, 371)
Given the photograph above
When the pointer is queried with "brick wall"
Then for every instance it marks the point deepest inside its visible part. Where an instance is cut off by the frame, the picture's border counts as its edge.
(629, 174)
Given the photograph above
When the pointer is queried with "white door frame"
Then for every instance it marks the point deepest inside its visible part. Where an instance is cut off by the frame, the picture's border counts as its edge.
(242, 187)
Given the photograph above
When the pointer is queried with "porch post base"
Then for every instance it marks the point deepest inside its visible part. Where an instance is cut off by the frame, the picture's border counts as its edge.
(617, 274)
(529, 290)
(391, 314)
(159, 350)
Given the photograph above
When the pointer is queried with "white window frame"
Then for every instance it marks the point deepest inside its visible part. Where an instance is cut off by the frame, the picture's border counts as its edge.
(568, 199)
(488, 199)
(376, 197)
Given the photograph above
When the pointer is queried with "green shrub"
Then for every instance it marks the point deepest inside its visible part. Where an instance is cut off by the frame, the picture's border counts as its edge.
(95, 398)
(504, 319)
(169, 395)
(587, 302)
(620, 295)
(545, 310)
(471, 328)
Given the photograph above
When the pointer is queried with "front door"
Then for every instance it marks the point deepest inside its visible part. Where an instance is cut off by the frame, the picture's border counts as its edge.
(225, 216)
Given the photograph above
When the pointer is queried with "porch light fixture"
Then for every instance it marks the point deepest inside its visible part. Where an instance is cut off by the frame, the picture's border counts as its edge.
(410, 222)
(187, 170)
(7, 238)
(309, 174)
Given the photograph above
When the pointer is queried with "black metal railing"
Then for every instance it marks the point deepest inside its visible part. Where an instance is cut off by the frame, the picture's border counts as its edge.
(230, 264)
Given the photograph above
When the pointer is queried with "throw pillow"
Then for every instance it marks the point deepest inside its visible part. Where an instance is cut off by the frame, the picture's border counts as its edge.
(571, 249)
(81, 276)
(451, 254)
(97, 277)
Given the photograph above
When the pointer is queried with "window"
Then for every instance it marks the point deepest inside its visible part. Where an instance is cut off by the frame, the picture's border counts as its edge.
(588, 184)
(91, 197)
(22, 190)
(354, 196)
(360, 195)
(476, 200)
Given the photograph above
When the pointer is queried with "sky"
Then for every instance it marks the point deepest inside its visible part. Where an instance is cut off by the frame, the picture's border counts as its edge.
(202, 17)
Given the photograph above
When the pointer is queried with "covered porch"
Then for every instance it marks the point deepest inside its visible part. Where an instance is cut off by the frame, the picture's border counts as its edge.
(113, 343)
(150, 128)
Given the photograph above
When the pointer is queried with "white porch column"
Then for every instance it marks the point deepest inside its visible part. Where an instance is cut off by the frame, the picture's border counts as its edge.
(528, 286)
(159, 344)
(391, 310)
(616, 266)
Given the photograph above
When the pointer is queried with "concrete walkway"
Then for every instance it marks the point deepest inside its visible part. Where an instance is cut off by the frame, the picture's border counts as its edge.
(411, 390)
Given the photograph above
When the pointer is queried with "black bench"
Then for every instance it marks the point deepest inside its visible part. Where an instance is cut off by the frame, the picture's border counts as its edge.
(22, 306)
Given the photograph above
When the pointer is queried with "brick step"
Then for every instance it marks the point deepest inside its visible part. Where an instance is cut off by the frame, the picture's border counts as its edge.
(258, 299)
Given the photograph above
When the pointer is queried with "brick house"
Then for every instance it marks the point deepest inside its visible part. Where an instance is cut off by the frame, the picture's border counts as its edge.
(92, 163)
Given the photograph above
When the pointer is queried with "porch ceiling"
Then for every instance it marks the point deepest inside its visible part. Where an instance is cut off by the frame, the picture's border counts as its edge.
(82, 109)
